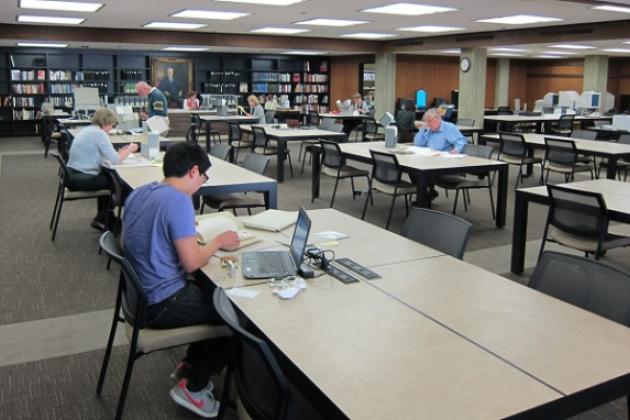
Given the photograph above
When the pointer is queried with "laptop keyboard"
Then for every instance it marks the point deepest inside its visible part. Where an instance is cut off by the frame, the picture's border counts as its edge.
(273, 262)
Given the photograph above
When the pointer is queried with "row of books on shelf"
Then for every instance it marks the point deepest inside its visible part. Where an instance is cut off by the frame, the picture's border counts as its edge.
(62, 101)
(29, 88)
(21, 102)
(64, 75)
(314, 107)
(26, 114)
(224, 76)
(288, 77)
(271, 88)
(61, 88)
(132, 74)
(315, 78)
(310, 99)
(19, 75)
(135, 101)
(311, 88)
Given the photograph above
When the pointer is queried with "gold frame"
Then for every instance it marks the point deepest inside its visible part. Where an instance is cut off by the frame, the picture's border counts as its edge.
(156, 62)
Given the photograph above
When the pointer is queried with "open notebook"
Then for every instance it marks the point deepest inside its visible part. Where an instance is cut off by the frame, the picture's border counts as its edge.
(271, 220)
(211, 225)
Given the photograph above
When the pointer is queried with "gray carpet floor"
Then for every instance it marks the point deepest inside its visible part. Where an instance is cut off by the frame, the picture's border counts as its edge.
(42, 281)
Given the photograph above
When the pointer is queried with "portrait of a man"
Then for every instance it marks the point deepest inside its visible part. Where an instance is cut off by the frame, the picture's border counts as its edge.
(173, 76)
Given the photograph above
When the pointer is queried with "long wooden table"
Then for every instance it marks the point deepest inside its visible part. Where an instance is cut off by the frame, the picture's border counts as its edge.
(609, 150)
(616, 195)
(510, 121)
(224, 178)
(435, 337)
(422, 169)
(283, 135)
(208, 120)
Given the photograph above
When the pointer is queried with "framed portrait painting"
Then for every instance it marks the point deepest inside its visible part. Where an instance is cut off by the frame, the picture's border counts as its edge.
(173, 76)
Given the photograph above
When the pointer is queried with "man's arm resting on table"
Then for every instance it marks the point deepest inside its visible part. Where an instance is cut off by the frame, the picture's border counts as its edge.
(193, 256)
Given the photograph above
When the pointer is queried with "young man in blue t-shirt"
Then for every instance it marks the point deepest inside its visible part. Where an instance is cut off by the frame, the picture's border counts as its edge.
(160, 241)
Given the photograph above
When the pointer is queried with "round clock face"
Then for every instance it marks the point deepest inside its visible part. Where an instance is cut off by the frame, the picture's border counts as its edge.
(465, 64)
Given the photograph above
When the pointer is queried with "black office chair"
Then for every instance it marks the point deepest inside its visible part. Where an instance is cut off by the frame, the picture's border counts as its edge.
(387, 179)
(465, 182)
(622, 164)
(269, 116)
(236, 140)
(131, 299)
(334, 165)
(313, 118)
(441, 231)
(513, 150)
(579, 220)
(253, 162)
(263, 389)
(370, 130)
(504, 110)
(50, 132)
(564, 126)
(561, 157)
(587, 284)
(197, 122)
(192, 134)
(260, 145)
(584, 134)
(222, 151)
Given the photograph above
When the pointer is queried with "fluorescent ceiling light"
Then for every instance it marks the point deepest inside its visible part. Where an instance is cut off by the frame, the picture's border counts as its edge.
(68, 6)
(368, 35)
(267, 2)
(617, 50)
(41, 44)
(572, 46)
(547, 56)
(519, 19)
(451, 51)
(281, 31)
(208, 14)
(304, 52)
(432, 29)
(508, 49)
(409, 9)
(611, 8)
(50, 19)
(173, 25)
(331, 22)
(186, 49)
(558, 53)
(505, 54)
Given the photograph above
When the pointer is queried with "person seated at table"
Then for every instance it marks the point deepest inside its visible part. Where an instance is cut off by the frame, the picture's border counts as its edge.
(406, 121)
(255, 109)
(90, 149)
(160, 241)
(191, 102)
(439, 135)
(359, 105)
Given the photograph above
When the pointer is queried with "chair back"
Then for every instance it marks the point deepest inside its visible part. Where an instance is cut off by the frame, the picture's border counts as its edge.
(386, 168)
(263, 388)
(260, 137)
(63, 169)
(110, 244)
(222, 151)
(234, 132)
(466, 122)
(196, 120)
(118, 191)
(442, 231)
(624, 139)
(369, 126)
(326, 123)
(191, 134)
(478, 150)
(512, 144)
(581, 213)
(134, 300)
(269, 116)
(560, 152)
(588, 284)
(313, 118)
(331, 154)
(504, 110)
(256, 163)
(64, 144)
(584, 134)
(566, 122)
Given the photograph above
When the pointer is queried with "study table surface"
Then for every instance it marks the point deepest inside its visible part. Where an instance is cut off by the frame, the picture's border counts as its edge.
(512, 120)
(224, 178)
(616, 195)
(422, 168)
(125, 138)
(70, 122)
(610, 150)
(283, 135)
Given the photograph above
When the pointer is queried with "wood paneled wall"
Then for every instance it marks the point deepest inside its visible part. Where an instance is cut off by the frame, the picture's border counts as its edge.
(619, 78)
(344, 77)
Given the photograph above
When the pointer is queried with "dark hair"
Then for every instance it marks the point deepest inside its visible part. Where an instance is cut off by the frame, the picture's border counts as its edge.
(191, 94)
(181, 157)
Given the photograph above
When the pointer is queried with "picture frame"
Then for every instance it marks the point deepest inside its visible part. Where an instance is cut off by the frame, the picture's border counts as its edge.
(180, 81)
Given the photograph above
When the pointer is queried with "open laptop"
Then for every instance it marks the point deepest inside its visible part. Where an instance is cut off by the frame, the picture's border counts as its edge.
(268, 264)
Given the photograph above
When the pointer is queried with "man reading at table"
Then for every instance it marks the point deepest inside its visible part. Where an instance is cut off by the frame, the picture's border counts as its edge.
(160, 241)
(439, 135)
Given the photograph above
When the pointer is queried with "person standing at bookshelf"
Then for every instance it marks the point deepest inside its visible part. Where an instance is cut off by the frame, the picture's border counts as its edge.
(255, 109)
(157, 100)
(91, 148)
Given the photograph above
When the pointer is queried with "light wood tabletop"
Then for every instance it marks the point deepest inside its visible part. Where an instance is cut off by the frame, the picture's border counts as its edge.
(291, 133)
(543, 118)
(375, 358)
(226, 118)
(70, 122)
(589, 146)
(562, 345)
(123, 138)
(344, 116)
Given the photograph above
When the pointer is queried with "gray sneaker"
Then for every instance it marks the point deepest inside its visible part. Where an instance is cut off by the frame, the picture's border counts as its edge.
(201, 402)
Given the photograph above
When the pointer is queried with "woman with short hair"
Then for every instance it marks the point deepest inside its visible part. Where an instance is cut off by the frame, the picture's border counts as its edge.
(256, 110)
(90, 149)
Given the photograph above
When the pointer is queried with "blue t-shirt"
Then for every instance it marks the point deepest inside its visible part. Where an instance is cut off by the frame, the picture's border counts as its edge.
(446, 137)
(155, 216)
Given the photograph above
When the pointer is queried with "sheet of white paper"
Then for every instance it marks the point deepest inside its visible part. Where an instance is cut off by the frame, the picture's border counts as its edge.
(242, 292)
(422, 151)
(451, 155)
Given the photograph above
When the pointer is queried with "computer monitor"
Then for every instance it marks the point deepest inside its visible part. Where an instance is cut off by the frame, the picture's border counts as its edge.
(589, 100)
(421, 99)
(550, 100)
(300, 237)
(567, 98)
(86, 99)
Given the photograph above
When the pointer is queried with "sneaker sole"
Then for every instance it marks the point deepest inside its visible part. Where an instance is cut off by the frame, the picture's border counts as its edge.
(186, 404)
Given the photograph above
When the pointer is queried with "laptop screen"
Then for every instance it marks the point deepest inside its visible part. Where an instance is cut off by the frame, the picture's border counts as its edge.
(300, 238)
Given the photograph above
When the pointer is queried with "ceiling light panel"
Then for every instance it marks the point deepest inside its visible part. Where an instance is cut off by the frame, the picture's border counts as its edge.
(558, 53)
(409, 9)
(505, 54)
(173, 25)
(55, 20)
(617, 50)
(67, 6)
(185, 49)
(41, 44)
(572, 46)
(266, 2)
(331, 22)
(547, 56)
(368, 35)
(611, 8)
(209, 14)
(432, 29)
(304, 52)
(279, 31)
(508, 49)
(519, 19)
(451, 51)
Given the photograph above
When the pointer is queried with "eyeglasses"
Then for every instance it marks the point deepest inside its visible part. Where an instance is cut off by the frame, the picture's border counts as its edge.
(203, 174)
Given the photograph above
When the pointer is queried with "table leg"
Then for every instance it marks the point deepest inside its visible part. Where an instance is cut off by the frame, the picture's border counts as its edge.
(208, 136)
(502, 195)
(519, 233)
(423, 198)
(529, 169)
(611, 168)
(315, 156)
(271, 197)
(282, 151)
